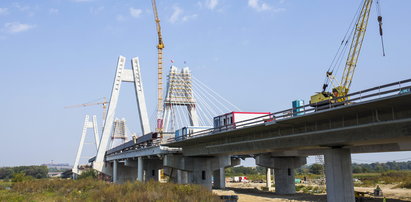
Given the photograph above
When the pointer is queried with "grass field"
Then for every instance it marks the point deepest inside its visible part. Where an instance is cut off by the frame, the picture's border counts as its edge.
(403, 178)
(93, 190)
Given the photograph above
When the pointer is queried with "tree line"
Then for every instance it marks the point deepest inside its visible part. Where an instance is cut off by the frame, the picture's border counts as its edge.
(33, 171)
(319, 168)
(380, 167)
(360, 167)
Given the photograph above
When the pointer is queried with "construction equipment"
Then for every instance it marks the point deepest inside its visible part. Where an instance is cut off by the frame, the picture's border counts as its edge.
(341, 89)
(160, 47)
(104, 104)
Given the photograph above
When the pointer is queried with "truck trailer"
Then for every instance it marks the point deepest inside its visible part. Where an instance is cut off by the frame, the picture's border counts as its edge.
(235, 120)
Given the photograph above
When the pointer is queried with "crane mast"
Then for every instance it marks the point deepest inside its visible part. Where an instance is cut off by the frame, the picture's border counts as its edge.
(342, 88)
(160, 47)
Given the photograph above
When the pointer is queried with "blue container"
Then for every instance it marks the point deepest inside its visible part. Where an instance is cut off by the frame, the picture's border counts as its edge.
(297, 107)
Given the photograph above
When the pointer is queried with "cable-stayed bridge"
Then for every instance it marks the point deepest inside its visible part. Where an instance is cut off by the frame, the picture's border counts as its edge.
(194, 147)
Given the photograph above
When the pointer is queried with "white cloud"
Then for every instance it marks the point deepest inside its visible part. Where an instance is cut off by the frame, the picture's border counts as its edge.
(211, 4)
(135, 12)
(189, 17)
(20, 7)
(15, 27)
(176, 14)
(262, 6)
(54, 11)
(29, 10)
(4, 11)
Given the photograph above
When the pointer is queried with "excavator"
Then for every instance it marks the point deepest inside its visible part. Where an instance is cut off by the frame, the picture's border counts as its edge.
(340, 89)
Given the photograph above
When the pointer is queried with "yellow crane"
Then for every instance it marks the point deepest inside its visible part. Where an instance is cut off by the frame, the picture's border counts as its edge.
(103, 103)
(160, 47)
(342, 88)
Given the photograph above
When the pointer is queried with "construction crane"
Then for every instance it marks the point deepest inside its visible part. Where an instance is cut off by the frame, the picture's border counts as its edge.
(160, 47)
(341, 89)
(104, 104)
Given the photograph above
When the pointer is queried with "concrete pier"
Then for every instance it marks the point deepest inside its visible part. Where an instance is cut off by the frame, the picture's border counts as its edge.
(123, 171)
(219, 178)
(340, 187)
(283, 170)
(152, 169)
(115, 173)
(201, 169)
(268, 179)
(284, 180)
(182, 177)
(140, 167)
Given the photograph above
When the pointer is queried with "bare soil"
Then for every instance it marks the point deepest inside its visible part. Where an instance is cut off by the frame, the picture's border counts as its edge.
(254, 192)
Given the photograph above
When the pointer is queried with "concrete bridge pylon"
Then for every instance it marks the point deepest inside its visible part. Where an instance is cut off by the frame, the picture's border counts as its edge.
(122, 75)
(87, 125)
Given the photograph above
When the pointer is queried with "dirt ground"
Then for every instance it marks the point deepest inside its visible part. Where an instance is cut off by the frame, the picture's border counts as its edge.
(253, 192)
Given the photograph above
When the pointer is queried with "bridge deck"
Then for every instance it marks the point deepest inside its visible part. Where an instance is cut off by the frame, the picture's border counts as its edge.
(380, 121)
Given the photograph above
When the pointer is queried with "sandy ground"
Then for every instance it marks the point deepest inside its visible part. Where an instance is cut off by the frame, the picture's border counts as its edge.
(389, 192)
(253, 192)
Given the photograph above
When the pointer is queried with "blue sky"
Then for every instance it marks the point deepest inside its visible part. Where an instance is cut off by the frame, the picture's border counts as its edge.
(259, 54)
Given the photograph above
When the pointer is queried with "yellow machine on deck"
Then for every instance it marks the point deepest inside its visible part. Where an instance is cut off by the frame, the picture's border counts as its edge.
(341, 89)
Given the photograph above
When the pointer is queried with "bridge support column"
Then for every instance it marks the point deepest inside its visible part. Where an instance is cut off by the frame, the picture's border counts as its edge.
(284, 180)
(115, 173)
(268, 179)
(140, 169)
(340, 187)
(199, 169)
(219, 178)
(152, 168)
(123, 171)
(182, 177)
(283, 170)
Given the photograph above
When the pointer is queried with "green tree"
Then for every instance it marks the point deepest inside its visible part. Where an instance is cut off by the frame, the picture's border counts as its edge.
(316, 169)
(20, 177)
(6, 173)
(88, 174)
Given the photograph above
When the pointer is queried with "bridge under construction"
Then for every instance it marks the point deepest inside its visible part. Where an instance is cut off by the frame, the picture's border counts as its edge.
(377, 119)
(192, 140)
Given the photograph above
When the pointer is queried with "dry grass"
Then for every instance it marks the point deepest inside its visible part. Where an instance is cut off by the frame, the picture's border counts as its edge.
(92, 190)
(390, 177)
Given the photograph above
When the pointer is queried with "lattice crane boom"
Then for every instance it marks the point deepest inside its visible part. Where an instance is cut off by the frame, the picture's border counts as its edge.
(104, 104)
(342, 88)
(355, 47)
(160, 47)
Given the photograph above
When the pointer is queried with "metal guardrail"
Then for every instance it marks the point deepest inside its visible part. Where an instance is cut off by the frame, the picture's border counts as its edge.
(386, 90)
(142, 142)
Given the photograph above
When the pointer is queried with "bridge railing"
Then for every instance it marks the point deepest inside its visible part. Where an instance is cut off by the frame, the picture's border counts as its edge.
(386, 90)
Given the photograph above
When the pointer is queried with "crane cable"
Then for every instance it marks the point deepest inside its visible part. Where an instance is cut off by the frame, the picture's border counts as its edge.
(336, 62)
(379, 18)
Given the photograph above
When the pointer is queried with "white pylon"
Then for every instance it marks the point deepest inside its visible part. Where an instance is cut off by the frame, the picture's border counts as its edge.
(87, 124)
(122, 75)
(179, 93)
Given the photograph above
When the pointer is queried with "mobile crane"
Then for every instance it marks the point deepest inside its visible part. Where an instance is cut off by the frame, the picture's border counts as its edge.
(340, 90)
